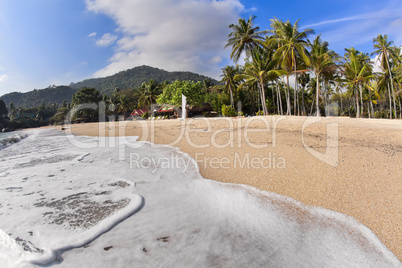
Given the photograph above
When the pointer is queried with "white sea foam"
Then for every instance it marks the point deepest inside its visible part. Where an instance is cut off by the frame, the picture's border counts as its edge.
(9, 138)
(88, 208)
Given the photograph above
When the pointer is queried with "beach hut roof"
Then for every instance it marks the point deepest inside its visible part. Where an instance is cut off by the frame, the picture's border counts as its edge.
(138, 112)
(166, 108)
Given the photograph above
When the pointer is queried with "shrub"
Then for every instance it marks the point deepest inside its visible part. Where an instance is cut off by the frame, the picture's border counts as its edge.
(228, 110)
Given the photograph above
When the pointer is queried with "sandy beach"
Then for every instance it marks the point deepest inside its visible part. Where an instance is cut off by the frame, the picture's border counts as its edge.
(352, 166)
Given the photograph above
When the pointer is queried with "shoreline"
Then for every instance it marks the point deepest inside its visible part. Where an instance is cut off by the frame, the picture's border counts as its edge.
(363, 183)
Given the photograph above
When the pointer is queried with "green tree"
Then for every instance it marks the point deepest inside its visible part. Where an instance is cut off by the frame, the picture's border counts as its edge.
(230, 85)
(357, 71)
(3, 109)
(172, 93)
(260, 70)
(322, 59)
(244, 38)
(86, 96)
(290, 45)
(123, 105)
(148, 93)
(383, 48)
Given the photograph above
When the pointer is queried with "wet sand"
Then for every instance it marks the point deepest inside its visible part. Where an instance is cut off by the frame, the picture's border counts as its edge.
(353, 166)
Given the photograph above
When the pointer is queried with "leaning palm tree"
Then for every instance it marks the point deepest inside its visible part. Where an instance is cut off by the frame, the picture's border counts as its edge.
(322, 60)
(384, 50)
(244, 38)
(260, 70)
(290, 45)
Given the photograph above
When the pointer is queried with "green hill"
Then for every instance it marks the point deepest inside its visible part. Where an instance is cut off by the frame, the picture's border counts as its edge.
(54, 94)
(132, 78)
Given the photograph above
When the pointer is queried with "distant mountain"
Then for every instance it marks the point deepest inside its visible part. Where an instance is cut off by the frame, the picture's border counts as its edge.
(132, 78)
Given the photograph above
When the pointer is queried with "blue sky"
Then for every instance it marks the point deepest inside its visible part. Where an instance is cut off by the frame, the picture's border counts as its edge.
(55, 42)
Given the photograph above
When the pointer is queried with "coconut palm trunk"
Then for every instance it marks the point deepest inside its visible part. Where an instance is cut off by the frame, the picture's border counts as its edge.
(371, 106)
(263, 102)
(317, 100)
(357, 104)
(391, 82)
(390, 102)
(231, 96)
(288, 109)
(361, 100)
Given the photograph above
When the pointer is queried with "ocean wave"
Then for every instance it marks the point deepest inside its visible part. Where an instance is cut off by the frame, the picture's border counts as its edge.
(149, 205)
(10, 138)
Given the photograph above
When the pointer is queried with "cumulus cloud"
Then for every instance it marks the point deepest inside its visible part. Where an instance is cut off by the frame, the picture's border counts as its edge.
(92, 34)
(106, 40)
(169, 34)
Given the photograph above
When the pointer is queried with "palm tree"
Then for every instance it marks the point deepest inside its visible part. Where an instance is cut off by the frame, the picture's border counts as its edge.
(291, 45)
(148, 93)
(123, 105)
(357, 72)
(383, 49)
(260, 70)
(244, 38)
(113, 102)
(228, 78)
(340, 82)
(322, 60)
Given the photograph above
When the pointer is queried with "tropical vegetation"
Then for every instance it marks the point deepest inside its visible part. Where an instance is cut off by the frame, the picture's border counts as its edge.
(285, 70)
(327, 82)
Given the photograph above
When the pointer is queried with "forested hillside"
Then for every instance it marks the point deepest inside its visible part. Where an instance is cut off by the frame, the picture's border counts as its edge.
(54, 94)
(133, 78)
(129, 79)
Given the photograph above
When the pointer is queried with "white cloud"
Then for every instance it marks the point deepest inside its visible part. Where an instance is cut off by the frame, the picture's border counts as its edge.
(184, 35)
(106, 40)
(3, 77)
(362, 28)
(92, 34)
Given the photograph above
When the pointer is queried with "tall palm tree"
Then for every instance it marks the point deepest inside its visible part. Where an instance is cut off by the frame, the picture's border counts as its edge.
(357, 72)
(290, 44)
(244, 38)
(322, 60)
(260, 70)
(340, 82)
(383, 49)
(228, 78)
